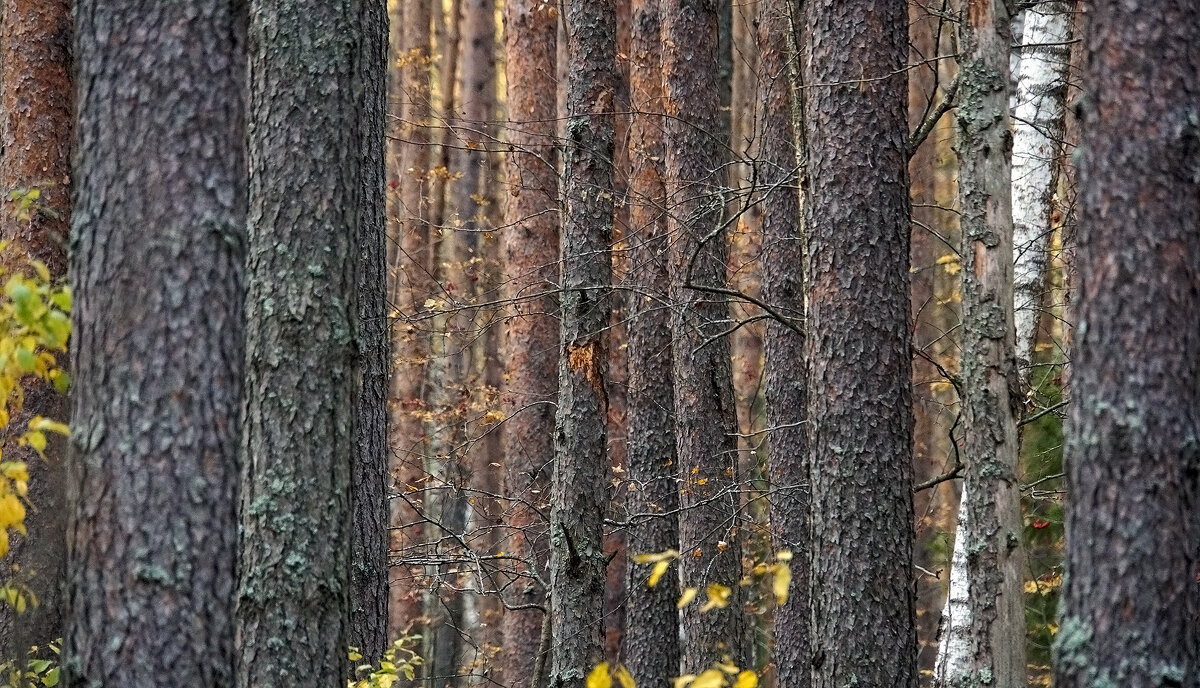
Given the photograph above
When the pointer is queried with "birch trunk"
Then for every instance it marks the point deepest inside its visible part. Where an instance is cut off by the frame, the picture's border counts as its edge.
(1037, 132)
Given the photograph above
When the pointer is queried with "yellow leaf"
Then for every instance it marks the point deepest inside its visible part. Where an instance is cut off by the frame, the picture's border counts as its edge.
(746, 679)
(652, 557)
(686, 598)
(783, 555)
(660, 568)
(624, 677)
(783, 578)
(599, 678)
(36, 440)
(684, 681)
(11, 511)
(709, 679)
(1031, 587)
(728, 668)
(718, 596)
(951, 263)
(39, 423)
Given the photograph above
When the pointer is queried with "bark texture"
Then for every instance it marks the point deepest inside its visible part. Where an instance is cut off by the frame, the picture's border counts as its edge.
(158, 249)
(651, 642)
(858, 351)
(705, 421)
(1130, 596)
(1037, 132)
(783, 288)
(529, 242)
(302, 342)
(579, 493)
(369, 477)
(995, 558)
(35, 153)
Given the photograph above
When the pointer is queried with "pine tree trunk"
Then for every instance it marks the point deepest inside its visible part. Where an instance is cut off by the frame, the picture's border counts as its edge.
(651, 643)
(35, 153)
(1130, 598)
(370, 477)
(302, 342)
(705, 422)
(995, 557)
(530, 248)
(858, 346)
(157, 277)
(783, 288)
(1037, 130)
(410, 267)
(579, 491)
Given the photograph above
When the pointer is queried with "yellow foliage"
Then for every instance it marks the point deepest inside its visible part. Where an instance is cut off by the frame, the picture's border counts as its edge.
(710, 678)
(686, 598)
(599, 677)
(34, 328)
(746, 679)
(718, 597)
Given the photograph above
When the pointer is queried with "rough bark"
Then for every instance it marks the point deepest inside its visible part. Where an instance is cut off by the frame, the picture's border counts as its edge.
(369, 478)
(705, 420)
(158, 250)
(1130, 596)
(302, 342)
(579, 492)
(858, 345)
(783, 288)
(529, 242)
(35, 152)
(651, 643)
(1037, 133)
(995, 557)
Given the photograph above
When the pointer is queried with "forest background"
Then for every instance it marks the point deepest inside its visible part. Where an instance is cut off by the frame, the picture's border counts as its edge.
(676, 339)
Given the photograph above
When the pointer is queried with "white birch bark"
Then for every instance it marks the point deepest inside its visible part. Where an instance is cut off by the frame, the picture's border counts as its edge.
(1037, 130)
(953, 633)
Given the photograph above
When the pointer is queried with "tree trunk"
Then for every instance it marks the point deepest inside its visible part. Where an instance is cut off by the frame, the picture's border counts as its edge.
(35, 153)
(305, 143)
(783, 288)
(157, 277)
(1130, 597)
(410, 267)
(705, 422)
(579, 491)
(530, 248)
(369, 479)
(651, 643)
(858, 344)
(1037, 132)
(995, 557)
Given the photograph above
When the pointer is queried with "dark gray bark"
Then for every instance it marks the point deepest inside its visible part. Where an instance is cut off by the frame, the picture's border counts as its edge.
(529, 243)
(157, 271)
(995, 561)
(370, 476)
(859, 395)
(36, 108)
(705, 423)
(1130, 596)
(579, 491)
(302, 354)
(651, 643)
(783, 288)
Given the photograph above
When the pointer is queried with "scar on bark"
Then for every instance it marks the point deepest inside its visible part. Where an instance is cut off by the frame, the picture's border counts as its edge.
(586, 357)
